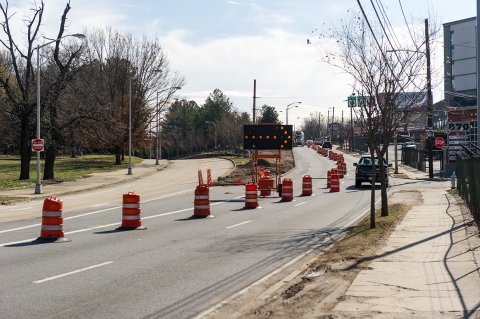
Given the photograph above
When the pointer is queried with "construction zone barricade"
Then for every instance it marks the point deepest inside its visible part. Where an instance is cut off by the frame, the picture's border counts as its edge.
(201, 204)
(209, 177)
(52, 220)
(287, 190)
(307, 185)
(131, 213)
(251, 195)
(335, 182)
(266, 185)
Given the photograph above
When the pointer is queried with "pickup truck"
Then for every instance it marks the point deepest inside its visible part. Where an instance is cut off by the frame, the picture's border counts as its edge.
(363, 171)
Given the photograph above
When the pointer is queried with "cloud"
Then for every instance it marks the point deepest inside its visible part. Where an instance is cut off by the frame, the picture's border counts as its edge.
(286, 70)
(235, 3)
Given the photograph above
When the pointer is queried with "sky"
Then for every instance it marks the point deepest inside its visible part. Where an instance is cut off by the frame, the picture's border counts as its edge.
(226, 44)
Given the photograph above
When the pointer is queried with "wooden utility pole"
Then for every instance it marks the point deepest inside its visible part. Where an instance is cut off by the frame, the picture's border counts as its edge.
(254, 120)
(430, 104)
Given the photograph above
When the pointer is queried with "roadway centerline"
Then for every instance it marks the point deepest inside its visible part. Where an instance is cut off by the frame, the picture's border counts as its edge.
(72, 272)
(109, 225)
(93, 213)
(239, 224)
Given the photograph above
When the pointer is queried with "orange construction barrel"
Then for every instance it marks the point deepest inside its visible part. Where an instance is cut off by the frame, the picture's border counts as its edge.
(52, 219)
(335, 183)
(307, 185)
(287, 190)
(201, 203)
(131, 212)
(251, 195)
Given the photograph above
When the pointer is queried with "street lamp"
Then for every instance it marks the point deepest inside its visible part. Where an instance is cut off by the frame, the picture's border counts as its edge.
(215, 125)
(38, 185)
(289, 106)
(158, 148)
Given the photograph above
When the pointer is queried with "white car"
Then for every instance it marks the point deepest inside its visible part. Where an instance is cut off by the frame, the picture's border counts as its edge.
(410, 144)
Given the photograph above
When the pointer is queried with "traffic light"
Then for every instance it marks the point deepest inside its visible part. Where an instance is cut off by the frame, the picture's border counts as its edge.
(267, 137)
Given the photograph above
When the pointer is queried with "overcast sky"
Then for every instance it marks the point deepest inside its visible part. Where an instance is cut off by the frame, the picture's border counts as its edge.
(226, 44)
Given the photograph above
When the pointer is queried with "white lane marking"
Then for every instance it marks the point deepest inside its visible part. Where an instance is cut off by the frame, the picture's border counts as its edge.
(92, 213)
(72, 272)
(98, 205)
(24, 208)
(239, 224)
(109, 225)
(302, 203)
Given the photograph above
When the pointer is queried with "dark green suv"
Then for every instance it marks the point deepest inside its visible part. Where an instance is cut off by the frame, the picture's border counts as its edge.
(363, 172)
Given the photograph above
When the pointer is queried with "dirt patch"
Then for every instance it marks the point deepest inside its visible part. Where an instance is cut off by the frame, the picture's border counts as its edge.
(244, 172)
(312, 288)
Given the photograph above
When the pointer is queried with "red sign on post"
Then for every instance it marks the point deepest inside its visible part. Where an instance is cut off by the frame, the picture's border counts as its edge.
(38, 145)
(439, 142)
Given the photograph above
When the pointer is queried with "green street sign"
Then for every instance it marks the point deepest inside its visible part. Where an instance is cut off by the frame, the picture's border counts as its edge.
(356, 101)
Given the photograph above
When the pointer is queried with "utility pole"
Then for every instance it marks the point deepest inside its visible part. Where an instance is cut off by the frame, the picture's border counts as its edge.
(430, 104)
(254, 100)
(328, 121)
(331, 130)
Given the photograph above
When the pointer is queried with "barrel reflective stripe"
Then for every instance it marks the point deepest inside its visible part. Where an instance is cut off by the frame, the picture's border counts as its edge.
(201, 206)
(307, 189)
(201, 197)
(51, 214)
(250, 192)
(131, 217)
(131, 205)
(51, 227)
(251, 200)
(286, 194)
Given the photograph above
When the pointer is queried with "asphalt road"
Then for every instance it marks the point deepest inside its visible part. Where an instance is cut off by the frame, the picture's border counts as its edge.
(178, 266)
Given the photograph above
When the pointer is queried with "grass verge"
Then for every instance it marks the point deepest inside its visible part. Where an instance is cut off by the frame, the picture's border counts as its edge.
(361, 241)
(66, 169)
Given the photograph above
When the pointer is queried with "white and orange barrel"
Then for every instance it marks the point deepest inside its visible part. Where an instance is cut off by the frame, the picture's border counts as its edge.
(335, 183)
(287, 190)
(201, 204)
(251, 195)
(52, 219)
(307, 185)
(329, 178)
(131, 211)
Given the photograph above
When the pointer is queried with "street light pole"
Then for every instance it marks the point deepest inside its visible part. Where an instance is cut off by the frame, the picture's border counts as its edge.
(289, 106)
(158, 133)
(129, 125)
(38, 185)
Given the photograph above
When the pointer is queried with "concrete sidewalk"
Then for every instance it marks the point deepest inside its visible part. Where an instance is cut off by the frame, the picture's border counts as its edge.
(429, 267)
(95, 181)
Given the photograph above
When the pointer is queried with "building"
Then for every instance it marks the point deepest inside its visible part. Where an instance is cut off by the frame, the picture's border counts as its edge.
(460, 63)
(460, 83)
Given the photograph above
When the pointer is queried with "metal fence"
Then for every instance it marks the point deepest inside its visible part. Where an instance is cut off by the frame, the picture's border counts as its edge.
(414, 158)
(468, 177)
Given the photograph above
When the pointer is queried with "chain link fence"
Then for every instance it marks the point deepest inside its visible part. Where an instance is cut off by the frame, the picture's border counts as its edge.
(468, 179)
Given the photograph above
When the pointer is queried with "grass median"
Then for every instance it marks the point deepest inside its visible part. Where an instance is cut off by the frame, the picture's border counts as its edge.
(66, 169)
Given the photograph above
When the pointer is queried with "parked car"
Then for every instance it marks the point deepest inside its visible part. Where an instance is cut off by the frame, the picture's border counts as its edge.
(327, 144)
(363, 172)
(410, 144)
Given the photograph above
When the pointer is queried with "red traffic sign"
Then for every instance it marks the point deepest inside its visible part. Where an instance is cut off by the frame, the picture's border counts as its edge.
(38, 145)
(439, 142)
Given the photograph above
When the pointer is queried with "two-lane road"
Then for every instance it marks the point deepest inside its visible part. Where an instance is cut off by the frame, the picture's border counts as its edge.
(178, 266)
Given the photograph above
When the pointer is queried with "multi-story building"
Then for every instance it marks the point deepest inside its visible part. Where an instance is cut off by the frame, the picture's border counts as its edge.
(460, 78)
(460, 64)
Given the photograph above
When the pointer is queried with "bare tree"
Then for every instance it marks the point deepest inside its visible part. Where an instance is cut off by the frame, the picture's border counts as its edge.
(113, 60)
(382, 77)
